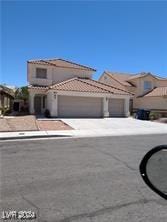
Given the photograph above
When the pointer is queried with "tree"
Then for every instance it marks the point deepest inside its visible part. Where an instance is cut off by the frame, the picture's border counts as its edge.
(22, 93)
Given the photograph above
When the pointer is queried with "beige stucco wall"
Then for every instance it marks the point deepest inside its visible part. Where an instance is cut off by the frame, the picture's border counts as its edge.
(162, 83)
(105, 78)
(157, 103)
(110, 81)
(54, 74)
(139, 83)
(52, 99)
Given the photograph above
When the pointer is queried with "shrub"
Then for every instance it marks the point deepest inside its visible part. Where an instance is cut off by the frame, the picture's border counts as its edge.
(5, 111)
(154, 116)
(47, 113)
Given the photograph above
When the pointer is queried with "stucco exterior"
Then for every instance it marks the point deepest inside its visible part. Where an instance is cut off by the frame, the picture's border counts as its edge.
(42, 94)
(158, 103)
(153, 103)
(54, 74)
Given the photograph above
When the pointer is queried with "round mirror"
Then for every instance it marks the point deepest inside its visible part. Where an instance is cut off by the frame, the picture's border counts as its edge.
(153, 169)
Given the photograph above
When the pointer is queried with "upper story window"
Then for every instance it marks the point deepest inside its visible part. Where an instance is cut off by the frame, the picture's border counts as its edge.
(147, 85)
(41, 73)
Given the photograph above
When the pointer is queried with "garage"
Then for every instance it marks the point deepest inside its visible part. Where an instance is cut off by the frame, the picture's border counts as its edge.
(116, 107)
(75, 106)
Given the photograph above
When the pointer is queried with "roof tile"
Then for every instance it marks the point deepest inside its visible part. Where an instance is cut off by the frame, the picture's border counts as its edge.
(159, 91)
(61, 63)
(87, 85)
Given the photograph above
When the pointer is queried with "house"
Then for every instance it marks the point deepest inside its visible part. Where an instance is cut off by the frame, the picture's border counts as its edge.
(6, 98)
(150, 91)
(67, 89)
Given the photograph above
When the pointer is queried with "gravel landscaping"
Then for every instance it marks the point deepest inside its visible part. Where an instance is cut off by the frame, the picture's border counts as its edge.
(52, 125)
(30, 123)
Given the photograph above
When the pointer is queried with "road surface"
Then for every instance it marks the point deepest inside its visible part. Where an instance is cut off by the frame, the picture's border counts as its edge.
(80, 180)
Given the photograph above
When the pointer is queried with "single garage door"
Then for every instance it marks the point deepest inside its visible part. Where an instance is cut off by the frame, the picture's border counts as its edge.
(116, 107)
(73, 106)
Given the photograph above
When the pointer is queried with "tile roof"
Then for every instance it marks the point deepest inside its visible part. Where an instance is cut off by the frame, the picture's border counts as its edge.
(38, 87)
(139, 75)
(7, 90)
(87, 85)
(122, 78)
(125, 79)
(61, 63)
(142, 74)
(159, 91)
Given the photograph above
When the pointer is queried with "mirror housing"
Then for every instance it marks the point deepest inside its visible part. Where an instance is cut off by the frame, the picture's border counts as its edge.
(153, 170)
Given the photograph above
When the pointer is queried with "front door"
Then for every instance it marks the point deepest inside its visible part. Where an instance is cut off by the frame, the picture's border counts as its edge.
(37, 104)
(16, 106)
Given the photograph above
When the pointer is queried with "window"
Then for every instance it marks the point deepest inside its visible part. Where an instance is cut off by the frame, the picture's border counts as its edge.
(41, 73)
(147, 85)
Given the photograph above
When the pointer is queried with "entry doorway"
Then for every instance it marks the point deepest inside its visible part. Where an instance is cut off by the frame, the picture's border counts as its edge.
(37, 104)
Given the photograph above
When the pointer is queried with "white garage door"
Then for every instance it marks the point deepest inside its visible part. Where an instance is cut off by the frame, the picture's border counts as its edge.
(116, 107)
(73, 106)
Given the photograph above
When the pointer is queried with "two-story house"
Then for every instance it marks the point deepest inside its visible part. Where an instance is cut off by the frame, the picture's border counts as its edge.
(150, 91)
(67, 89)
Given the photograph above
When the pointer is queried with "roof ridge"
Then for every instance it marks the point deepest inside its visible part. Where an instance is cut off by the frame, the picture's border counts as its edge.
(62, 83)
(112, 86)
(82, 80)
(84, 66)
(49, 62)
(120, 73)
(110, 75)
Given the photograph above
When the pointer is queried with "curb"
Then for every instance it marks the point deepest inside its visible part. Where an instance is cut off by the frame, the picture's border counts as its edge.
(31, 137)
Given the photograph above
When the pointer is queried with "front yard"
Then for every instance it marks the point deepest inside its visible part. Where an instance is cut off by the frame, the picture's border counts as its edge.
(30, 123)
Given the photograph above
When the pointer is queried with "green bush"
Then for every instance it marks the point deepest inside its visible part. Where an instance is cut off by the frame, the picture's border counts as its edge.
(154, 116)
(5, 111)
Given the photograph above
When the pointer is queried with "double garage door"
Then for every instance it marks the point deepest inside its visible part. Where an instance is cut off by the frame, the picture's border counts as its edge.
(73, 106)
(116, 107)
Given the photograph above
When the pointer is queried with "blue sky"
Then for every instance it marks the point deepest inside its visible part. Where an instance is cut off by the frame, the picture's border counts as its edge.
(125, 36)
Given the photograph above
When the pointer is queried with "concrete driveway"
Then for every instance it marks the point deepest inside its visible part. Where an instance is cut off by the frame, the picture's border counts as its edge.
(123, 125)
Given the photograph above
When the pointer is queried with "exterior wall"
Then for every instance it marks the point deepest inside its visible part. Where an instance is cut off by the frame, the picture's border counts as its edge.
(32, 94)
(54, 74)
(108, 80)
(138, 90)
(157, 103)
(5, 101)
(162, 83)
(53, 96)
(154, 103)
(139, 83)
(52, 103)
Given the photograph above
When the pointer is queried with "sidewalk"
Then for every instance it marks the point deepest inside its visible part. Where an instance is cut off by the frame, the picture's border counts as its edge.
(81, 133)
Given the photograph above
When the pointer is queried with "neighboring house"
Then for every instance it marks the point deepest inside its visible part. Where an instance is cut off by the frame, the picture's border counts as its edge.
(6, 98)
(150, 91)
(67, 89)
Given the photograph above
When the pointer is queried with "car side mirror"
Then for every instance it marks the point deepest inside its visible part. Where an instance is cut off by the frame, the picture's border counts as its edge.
(153, 169)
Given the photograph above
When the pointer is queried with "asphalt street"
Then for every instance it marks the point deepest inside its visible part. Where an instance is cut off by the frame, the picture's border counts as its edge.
(80, 180)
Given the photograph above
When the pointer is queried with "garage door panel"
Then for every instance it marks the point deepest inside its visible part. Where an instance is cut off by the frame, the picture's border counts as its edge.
(116, 107)
(73, 106)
